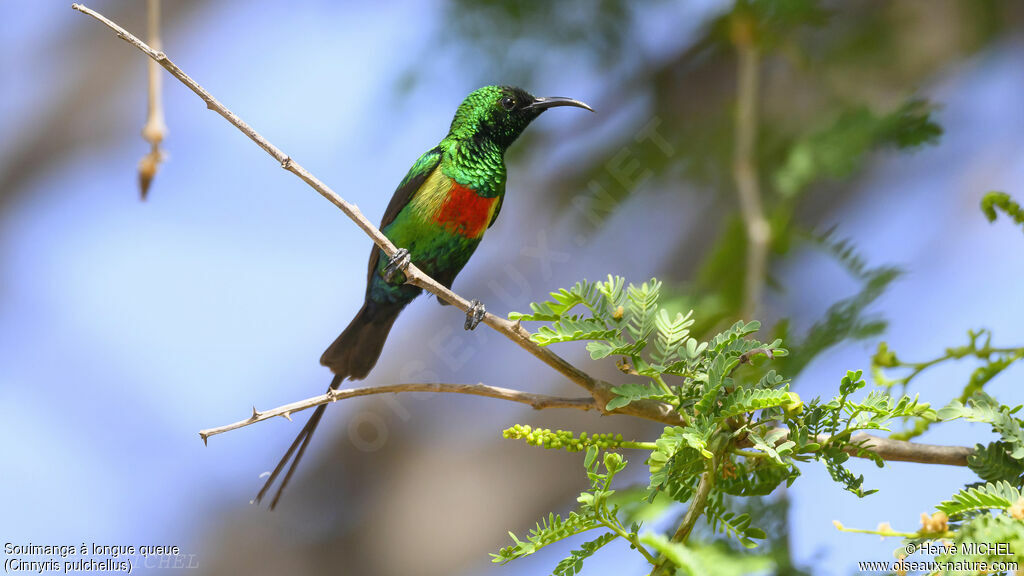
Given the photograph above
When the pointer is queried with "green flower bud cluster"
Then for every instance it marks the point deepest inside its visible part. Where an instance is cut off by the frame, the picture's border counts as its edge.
(561, 439)
(613, 461)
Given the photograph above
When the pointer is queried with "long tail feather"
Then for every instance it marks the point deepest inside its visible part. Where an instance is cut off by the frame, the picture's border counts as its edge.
(301, 442)
(352, 355)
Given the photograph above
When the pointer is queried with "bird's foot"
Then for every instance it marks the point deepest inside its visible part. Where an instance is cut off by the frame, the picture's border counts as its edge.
(397, 263)
(475, 314)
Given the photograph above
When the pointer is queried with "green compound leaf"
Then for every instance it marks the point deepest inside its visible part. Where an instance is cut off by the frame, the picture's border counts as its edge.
(643, 305)
(672, 333)
(745, 400)
(694, 560)
(574, 563)
(737, 331)
(678, 451)
(976, 535)
(628, 393)
(983, 408)
(998, 496)
(735, 525)
(572, 328)
(770, 446)
(601, 298)
(550, 530)
(838, 150)
(994, 463)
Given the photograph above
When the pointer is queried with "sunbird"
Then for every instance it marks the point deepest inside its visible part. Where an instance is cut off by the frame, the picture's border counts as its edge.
(436, 218)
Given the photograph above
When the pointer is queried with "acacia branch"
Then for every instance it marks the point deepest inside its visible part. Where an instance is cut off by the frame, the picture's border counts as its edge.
(892, 450)
(537, 401)
(860, 444)
(599, 389)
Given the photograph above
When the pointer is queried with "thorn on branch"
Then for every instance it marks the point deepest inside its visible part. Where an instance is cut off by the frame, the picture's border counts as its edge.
(255, 413)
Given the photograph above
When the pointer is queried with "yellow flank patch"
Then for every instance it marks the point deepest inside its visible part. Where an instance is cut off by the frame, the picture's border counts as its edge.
(427, 201)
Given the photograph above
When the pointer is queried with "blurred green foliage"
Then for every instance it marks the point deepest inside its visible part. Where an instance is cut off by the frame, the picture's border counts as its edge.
(994, 202)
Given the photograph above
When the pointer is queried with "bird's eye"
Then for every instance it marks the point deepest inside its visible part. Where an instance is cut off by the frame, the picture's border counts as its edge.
(508, 103)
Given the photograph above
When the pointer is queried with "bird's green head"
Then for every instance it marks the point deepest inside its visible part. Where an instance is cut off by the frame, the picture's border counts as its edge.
(499, 114)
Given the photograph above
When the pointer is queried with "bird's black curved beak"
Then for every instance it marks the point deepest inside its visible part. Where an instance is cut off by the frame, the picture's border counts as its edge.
(553, 101)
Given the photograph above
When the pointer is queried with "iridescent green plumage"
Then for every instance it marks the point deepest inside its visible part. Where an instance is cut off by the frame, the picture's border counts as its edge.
(439, 213)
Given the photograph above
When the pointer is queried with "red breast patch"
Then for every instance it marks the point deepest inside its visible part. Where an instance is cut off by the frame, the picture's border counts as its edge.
(464, 212)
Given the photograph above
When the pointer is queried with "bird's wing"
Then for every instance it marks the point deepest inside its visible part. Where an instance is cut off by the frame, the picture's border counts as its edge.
(415, 178)
(501, 199)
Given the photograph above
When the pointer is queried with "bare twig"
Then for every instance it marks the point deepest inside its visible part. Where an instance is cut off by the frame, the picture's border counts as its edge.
(155, 128)
(599, 389)
(537, 401)
(744, 162)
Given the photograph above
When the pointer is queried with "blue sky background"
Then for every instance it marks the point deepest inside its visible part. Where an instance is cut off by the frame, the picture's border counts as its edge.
(126, 327)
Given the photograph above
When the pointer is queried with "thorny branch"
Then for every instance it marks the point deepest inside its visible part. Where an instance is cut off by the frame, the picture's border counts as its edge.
(887, 448)
(599, 390)
(537, 401)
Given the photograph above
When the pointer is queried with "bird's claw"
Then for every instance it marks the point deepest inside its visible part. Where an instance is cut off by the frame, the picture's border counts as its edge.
(397, 263)
(475, 314)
